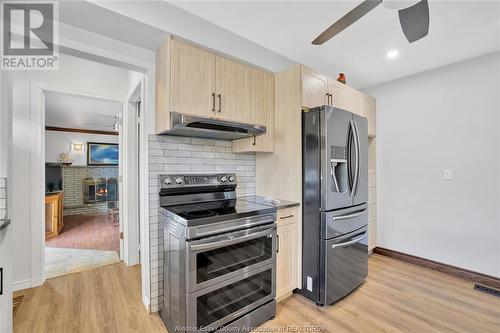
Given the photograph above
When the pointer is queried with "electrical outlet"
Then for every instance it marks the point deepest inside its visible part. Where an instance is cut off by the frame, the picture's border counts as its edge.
(309, 283)
(447, 174)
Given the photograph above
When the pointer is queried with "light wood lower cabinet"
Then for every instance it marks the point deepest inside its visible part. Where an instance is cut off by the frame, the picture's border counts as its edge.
(54, 217)
(286, 259)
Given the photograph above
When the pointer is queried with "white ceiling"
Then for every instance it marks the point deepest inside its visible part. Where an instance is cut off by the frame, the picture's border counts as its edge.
(82, 112)
(458, 30)
(90, 17)
(164, 16)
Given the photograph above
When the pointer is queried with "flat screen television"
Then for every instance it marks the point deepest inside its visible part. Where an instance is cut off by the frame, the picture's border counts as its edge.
(53, 177)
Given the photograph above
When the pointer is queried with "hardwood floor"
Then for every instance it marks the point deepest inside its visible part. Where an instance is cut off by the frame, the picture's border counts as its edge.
(397, 297)
(91, 232)
(105, 299)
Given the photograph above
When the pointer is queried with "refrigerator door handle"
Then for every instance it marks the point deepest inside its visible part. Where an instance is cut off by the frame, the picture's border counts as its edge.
(352, 139)
(357, 148)
(354, 241)
(349, 216)
(349, 159)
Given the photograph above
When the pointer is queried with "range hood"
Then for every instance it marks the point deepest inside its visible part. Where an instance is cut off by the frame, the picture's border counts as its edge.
(187, 125)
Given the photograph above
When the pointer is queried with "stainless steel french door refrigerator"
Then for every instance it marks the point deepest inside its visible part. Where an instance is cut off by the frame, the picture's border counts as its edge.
(335, 210)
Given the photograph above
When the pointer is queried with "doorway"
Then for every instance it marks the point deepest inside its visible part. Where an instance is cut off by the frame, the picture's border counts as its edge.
(95, 80)
(82, 202)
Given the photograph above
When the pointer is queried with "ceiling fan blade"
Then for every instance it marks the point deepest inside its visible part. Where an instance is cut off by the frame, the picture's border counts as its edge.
(415, 21)
(346, 20)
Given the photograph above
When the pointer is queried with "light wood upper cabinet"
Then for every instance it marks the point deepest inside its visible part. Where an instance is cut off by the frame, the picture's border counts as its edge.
(318, 89)
(261, 113)
(233, 90)
(314, 88)
(193, 80)
(370, 107)
(356, 102)
(340, 94)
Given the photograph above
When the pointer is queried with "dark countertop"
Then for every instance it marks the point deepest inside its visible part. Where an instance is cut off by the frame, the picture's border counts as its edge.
(279, 203)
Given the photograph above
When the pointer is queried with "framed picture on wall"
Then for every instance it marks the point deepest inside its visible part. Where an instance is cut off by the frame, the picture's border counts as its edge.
(102, 153)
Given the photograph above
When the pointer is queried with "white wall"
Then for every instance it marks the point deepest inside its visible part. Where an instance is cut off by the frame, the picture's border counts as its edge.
(446, 118)
(61, 142)
(74, 74)
(6, 233)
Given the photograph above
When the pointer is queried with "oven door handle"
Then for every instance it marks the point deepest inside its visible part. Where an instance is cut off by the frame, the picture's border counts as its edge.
(230, 241)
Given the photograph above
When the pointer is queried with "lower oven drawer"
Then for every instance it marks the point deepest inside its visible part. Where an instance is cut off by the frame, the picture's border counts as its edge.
(215, 259)
(345, 264)
(217, 305)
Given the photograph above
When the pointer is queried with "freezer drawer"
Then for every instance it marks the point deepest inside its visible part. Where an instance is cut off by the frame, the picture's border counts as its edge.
(343, 221)
(345, 265)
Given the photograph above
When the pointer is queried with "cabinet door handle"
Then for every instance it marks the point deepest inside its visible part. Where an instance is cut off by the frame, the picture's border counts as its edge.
(327, 98)
(331, 99)
(286, 217)
(277, 243)
(220, 102)
(213, 102)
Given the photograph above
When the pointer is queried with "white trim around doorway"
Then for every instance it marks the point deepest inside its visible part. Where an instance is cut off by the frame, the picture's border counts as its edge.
(122, 55)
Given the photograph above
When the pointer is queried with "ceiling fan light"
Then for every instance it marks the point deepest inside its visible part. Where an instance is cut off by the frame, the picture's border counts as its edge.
(399, 4)
(391, 54)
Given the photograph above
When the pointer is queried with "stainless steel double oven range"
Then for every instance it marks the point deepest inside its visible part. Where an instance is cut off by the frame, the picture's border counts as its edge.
(219, 255)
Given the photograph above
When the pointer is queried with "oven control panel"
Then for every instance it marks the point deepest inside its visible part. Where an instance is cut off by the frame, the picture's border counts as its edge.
(181, 180)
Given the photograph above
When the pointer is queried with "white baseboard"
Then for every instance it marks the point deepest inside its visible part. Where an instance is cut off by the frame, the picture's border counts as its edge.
(20, 285)
(146, 303)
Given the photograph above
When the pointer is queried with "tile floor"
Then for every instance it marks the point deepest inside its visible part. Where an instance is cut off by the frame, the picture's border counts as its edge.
(61, 261)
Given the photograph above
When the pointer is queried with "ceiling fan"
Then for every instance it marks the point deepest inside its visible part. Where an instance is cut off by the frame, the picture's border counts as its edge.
(413, 17)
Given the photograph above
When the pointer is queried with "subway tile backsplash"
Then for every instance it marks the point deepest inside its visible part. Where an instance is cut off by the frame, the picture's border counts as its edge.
(175, 154)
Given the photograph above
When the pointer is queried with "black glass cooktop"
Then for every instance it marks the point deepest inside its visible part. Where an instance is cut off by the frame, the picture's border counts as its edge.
(216, 210)
(205, 209)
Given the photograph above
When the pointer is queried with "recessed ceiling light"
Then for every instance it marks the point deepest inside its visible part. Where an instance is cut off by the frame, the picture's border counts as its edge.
(392, 54)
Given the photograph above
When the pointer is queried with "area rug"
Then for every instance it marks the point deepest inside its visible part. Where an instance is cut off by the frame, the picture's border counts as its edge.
(60, 261)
